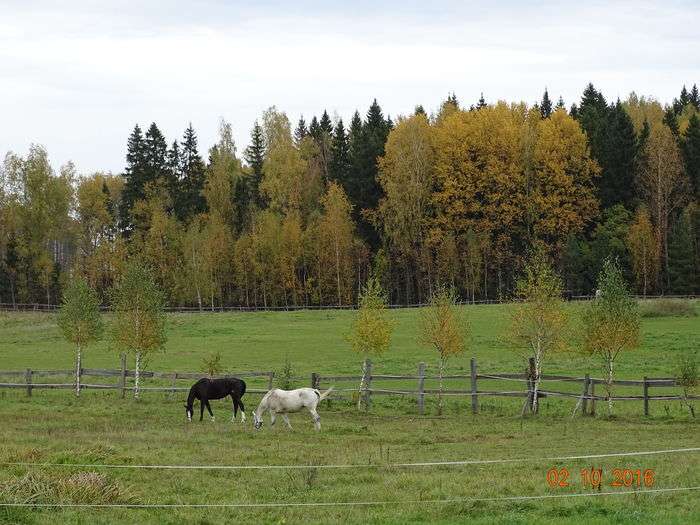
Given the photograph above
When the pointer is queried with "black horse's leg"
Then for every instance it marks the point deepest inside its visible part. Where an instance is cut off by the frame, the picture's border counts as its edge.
(235, 408)
(202, 402)
(209, 409)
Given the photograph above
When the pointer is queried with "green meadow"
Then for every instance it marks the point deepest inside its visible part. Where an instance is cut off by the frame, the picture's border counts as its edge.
(53, 426)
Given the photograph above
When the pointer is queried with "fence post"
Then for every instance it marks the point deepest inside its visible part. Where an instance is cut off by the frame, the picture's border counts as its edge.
(646, 396)
(315, 380)
(593, 397)
(367, 381)
(421, 388)
(270, 380)
(584, 402)
(122, 379)
(475, 400)
(28, 379)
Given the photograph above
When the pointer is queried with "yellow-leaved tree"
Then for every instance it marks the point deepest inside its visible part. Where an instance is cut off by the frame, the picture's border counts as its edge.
(539, 319)
(611, 322)
(442, 328)
(372, 327)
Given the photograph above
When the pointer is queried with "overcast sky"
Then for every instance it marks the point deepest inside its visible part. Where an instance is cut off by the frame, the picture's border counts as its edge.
(77, 78)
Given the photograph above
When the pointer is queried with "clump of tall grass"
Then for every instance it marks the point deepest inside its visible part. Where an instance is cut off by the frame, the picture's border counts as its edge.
(668, 308)
(79, 487)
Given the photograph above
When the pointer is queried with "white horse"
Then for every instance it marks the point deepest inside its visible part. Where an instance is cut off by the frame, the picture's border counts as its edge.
(284, 402)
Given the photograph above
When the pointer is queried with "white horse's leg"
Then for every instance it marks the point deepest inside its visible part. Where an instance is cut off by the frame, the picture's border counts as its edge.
(316, 417)
(272, 418)
(242, 416)
(286, 420)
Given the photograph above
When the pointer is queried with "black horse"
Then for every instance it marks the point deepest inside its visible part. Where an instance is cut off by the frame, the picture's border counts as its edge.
(206, 389)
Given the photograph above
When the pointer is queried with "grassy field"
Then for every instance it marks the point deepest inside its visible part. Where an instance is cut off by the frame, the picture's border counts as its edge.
(99, 428)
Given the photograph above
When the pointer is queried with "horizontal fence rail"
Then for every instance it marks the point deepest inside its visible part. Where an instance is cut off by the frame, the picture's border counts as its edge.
(39, 307)
(520, 385)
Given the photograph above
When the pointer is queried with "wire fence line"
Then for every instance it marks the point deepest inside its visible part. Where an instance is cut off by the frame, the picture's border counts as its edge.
(455, 463)
(370, 503)
(44, 307)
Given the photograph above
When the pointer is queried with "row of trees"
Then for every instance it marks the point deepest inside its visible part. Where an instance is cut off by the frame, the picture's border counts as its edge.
(455, 199)
(540, 324)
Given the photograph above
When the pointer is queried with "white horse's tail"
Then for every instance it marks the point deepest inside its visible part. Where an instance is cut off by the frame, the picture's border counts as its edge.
(323, 396)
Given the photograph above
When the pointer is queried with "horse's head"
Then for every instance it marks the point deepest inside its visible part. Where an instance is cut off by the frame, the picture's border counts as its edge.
(188, 411)
(258, 421)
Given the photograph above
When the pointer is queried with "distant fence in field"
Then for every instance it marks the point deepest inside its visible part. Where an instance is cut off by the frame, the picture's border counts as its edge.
(40, 307)
(585, 395)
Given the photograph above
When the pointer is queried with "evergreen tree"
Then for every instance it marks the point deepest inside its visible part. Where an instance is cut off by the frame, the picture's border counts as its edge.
(691, 153)
(419, 110)
(617, 180)
(363, 189)
(694, 97)
(315, 129)
(134, 177)
(340, 155)
(560, 103)
(325, 123)
(255, 157)
(546, 105)
(301, 131)
(192, 200)
(156, 157)
(671, 121)
(684, 99)
(681, 255)
(482, 102)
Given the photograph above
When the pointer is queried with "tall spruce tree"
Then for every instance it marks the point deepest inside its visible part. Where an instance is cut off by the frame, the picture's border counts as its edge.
(545, 105)
(315, 129)
(481, 103)
(192, 200)
(671, 121)
(619, 160)
(325, 123)
(340, 155)
(681, 254)
(691, 153)
(560, 103)
(694, 97)
(419, 110)
(255, 157)
(134, 177)
(301, 131)
(156, 156)
(363, 189)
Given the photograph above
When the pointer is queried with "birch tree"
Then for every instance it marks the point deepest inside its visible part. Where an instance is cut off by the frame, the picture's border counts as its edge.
(539, 320)
(79, 320)
(611, 322)
(372, 328)
(441, 328)
(139, 319)
(644, 250)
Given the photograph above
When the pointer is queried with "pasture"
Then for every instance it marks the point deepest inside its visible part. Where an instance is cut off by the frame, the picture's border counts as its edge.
(101, 428)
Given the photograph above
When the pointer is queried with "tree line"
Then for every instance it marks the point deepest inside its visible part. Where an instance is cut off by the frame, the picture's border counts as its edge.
(307, 213)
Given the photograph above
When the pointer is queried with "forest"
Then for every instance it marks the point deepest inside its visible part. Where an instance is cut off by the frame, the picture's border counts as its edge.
(308, 211)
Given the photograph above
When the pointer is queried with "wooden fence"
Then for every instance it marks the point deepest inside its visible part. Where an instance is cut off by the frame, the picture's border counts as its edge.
(586, 398)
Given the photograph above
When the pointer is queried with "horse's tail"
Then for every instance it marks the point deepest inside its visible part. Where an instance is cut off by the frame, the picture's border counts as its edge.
(323, 396)
(243, 387)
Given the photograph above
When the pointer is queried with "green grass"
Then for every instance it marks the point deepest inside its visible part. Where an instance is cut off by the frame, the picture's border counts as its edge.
(55, 427)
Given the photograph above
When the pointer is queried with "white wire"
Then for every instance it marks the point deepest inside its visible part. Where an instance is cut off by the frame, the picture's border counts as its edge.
(344, 503)
(350, 465)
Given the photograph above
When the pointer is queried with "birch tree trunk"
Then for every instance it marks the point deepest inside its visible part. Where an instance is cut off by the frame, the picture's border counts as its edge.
(77, 373)
(137, 375)
(610, 386)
